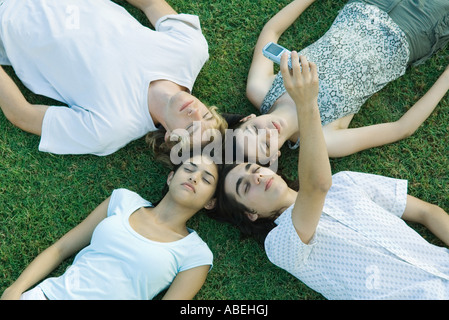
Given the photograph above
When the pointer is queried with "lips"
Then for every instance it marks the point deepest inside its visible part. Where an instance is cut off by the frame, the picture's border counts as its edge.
(268, 184)
(189, 186)
(277, 126)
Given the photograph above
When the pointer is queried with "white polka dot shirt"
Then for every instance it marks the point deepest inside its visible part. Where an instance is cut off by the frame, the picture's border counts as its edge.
(362, 249)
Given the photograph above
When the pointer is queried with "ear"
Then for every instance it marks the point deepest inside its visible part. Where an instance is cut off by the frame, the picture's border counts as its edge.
(211, 204)
(167, 135)
(252, 216)
(170, 177)
(252, 115)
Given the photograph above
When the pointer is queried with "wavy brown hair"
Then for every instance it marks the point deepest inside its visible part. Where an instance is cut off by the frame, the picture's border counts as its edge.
(162, 148)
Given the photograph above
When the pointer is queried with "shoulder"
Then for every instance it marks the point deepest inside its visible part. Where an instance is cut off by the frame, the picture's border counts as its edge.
(283, 246)
(197, 252)
(124, 200)
(182, 23)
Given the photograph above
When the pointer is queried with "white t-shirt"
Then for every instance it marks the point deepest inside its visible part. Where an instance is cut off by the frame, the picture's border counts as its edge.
(121, 264)
(99, 60)
(362, 249)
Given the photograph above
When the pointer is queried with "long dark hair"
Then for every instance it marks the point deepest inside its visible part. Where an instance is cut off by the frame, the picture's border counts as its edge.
(228, 210)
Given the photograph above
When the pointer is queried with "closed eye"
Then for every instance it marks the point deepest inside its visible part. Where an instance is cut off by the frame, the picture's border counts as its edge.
(208, 116)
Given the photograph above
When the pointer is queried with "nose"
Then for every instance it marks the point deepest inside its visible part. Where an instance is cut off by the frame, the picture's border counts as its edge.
(255, 177)
(193, 179)
(194, 112)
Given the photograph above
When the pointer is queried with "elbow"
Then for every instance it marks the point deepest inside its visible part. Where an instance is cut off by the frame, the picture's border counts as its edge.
(321, 184)
(404, 130)
(325, 184)
(270, 31)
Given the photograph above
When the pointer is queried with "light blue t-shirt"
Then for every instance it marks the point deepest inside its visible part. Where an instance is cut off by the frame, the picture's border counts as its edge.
(120, 263)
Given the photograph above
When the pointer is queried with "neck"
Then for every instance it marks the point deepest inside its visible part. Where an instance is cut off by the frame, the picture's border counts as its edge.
(285, 110)
(159, 94)
(172, 214)
(289, 198)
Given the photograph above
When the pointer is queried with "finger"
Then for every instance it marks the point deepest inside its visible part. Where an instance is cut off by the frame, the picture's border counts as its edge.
(305, 65)
(313, 71)
(296, 66)
(285, 70)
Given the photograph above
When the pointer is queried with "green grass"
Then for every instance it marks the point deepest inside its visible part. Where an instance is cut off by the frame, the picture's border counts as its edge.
(42, 196)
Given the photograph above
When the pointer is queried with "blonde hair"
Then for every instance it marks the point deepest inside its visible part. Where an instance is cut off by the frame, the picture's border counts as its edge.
(162, 148)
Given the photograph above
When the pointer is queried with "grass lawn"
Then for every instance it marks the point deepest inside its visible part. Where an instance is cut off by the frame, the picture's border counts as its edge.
(42, 196)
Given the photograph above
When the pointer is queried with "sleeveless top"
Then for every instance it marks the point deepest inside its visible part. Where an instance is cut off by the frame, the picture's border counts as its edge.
(362, 51)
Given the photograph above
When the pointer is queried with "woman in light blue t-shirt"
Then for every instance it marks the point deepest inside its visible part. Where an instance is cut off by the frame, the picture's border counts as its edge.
(131, 249)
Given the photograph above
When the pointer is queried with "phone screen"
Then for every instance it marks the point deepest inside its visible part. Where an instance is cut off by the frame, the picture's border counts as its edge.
(274, 49)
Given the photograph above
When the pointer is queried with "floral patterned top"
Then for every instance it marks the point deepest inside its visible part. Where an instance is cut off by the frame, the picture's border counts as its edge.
(363, 50)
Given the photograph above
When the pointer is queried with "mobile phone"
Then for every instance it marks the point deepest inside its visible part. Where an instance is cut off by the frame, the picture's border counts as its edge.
(273, 51)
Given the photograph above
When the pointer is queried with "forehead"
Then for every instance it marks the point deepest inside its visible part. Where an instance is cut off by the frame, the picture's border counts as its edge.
(203, 163)
(234, 175)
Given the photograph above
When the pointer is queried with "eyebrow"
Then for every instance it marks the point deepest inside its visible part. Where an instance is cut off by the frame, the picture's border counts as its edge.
(207, 172)
(210, 118)
(239, 181)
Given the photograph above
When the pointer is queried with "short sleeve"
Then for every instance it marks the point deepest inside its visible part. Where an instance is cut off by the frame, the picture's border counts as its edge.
(75, 130)
(125, 202)
(283, 246)
(198, 254)
(182, 23)
(389, 193)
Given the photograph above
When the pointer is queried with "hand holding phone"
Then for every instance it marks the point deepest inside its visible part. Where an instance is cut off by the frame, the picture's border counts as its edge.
(274, 52)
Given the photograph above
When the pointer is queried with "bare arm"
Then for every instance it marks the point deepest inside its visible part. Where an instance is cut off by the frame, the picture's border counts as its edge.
(261, 70)
(153, 9)
(49, 259)
(17, 109)
(187, 284)
(314, 170)
(431, 216)
(343, 142)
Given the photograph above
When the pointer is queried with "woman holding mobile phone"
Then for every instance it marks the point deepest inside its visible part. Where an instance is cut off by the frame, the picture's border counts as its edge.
(130, 248)
(370, 43)
(344, 235)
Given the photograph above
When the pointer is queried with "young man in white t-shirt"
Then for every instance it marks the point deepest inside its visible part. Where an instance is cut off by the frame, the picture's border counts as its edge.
(119, 79)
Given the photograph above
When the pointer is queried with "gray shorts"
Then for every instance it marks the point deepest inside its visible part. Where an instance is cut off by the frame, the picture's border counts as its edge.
(425, 23)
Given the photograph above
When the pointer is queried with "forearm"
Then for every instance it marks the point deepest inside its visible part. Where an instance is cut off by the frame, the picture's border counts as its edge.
(422, 109)
(38, 269)
(313, 161)
(286, 17)
(153, 9)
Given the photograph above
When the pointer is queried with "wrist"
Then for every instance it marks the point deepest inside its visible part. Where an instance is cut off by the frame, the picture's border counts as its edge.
(12, 293)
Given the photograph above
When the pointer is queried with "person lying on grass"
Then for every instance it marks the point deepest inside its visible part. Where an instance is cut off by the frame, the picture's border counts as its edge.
(119, 79)
(370, 43)
(131, 249)
(344, 235)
